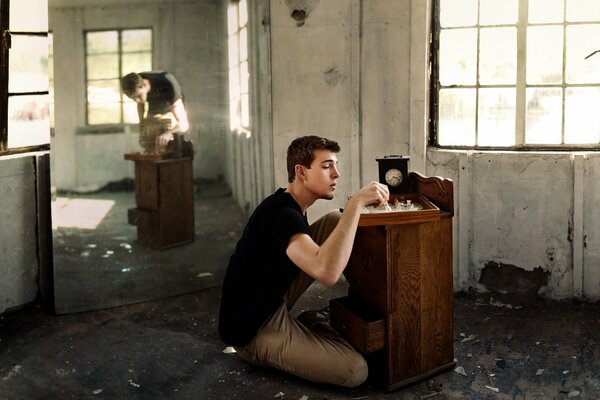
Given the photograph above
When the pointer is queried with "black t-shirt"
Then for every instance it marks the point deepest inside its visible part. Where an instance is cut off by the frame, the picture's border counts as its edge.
(164, 91)
(260, 272)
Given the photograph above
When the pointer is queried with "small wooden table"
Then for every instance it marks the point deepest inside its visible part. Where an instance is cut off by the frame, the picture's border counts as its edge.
(398, 311)
(164, 195)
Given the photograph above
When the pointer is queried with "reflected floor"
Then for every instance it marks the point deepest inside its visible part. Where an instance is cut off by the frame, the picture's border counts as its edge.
(98, 264)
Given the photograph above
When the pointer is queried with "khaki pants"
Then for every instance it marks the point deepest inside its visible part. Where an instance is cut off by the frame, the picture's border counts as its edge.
(284, 343)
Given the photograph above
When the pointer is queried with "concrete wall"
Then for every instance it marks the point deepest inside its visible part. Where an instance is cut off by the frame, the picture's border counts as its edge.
(357, 72)
(189, 41)
(18, 241)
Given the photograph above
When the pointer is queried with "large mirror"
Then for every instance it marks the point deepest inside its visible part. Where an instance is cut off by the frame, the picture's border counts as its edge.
(127, 227)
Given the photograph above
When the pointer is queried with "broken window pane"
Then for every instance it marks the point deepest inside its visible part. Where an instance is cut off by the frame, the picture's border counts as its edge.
(582, 41)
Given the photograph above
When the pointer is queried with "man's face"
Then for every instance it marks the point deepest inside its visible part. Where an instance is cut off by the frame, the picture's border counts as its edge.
(322, 175)
(140, 95)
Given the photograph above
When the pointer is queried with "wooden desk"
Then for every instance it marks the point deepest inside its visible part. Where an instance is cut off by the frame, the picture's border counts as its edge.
(164, 195)
(398, 311)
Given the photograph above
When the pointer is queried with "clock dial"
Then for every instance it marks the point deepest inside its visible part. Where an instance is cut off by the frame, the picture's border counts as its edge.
(393, 177)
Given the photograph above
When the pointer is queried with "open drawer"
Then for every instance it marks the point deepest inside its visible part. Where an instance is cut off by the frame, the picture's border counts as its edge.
(362, 327)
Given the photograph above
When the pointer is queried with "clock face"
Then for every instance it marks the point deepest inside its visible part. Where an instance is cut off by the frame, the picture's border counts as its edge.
(393, 177)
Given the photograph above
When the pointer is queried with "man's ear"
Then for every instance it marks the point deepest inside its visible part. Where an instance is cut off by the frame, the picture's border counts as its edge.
(300, 172)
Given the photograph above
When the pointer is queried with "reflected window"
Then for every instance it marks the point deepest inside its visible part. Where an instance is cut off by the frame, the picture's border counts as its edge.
(24, 85)
(516, 73)
(109, 55)
(239, 99)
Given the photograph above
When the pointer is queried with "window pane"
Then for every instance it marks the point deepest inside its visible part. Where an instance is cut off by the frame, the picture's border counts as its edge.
(23, 19)
(494, 12)
(498, 56)
(28, 122)
(458, 57)
(130, 114)
(544, 116)
(458, 13)
(581, 41)
(103, 113)
(244, 77)
(234, 114)
(496, 117)
(234, 83)
(457, 117)
(243, 44)
(583, 10)
(582, 119)
(243, 13)
(137, 40)
(136, 62)
(544, 54)
(28, 64)
(546, 11)
(104, 99)
(234, 51)
(102, 42)
(104, 66)
(245, 110)
(232, 19)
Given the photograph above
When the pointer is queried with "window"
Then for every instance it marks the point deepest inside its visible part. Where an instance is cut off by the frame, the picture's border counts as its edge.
(516, 73)
(24, 112)
(239, 100)
(109, 55)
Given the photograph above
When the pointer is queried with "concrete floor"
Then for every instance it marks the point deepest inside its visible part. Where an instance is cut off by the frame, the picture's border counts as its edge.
(507, 347)
(169, 349)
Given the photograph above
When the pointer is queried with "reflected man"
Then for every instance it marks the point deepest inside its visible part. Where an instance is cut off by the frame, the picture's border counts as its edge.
(165, 116)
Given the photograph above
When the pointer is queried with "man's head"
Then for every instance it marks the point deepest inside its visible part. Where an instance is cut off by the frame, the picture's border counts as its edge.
(302, 152)
(135, 87)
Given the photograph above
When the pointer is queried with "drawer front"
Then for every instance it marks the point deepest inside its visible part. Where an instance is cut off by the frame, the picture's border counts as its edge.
(362, 328)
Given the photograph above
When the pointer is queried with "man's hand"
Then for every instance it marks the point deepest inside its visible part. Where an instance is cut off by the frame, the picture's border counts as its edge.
(374, 194)
(162, 141)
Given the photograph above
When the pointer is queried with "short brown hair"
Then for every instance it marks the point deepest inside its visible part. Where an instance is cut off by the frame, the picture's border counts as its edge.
(302, 151)
(130, 82)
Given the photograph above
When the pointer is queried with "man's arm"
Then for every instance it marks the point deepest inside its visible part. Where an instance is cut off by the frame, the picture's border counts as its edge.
(180, 114)
(326, 263)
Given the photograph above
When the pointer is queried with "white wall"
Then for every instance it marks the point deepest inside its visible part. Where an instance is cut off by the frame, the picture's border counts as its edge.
(356, 72)
(189, 41)
(18, 241)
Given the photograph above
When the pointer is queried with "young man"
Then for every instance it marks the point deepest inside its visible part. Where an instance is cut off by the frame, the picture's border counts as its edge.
(278, 257)
(163, 94)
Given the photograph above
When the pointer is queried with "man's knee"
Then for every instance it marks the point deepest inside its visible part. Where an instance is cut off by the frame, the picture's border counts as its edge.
(358, 371)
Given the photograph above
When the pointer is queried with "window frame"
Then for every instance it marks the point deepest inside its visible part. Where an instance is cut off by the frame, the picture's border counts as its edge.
(5, 45)
(123, 98)
(520, 89)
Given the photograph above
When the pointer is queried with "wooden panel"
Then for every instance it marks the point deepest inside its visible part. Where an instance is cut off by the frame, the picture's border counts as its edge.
(404, 324)
(361, 327)
(437, 189)
(176, 201)
(367, 271)
(436, 294)
(146, 185)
